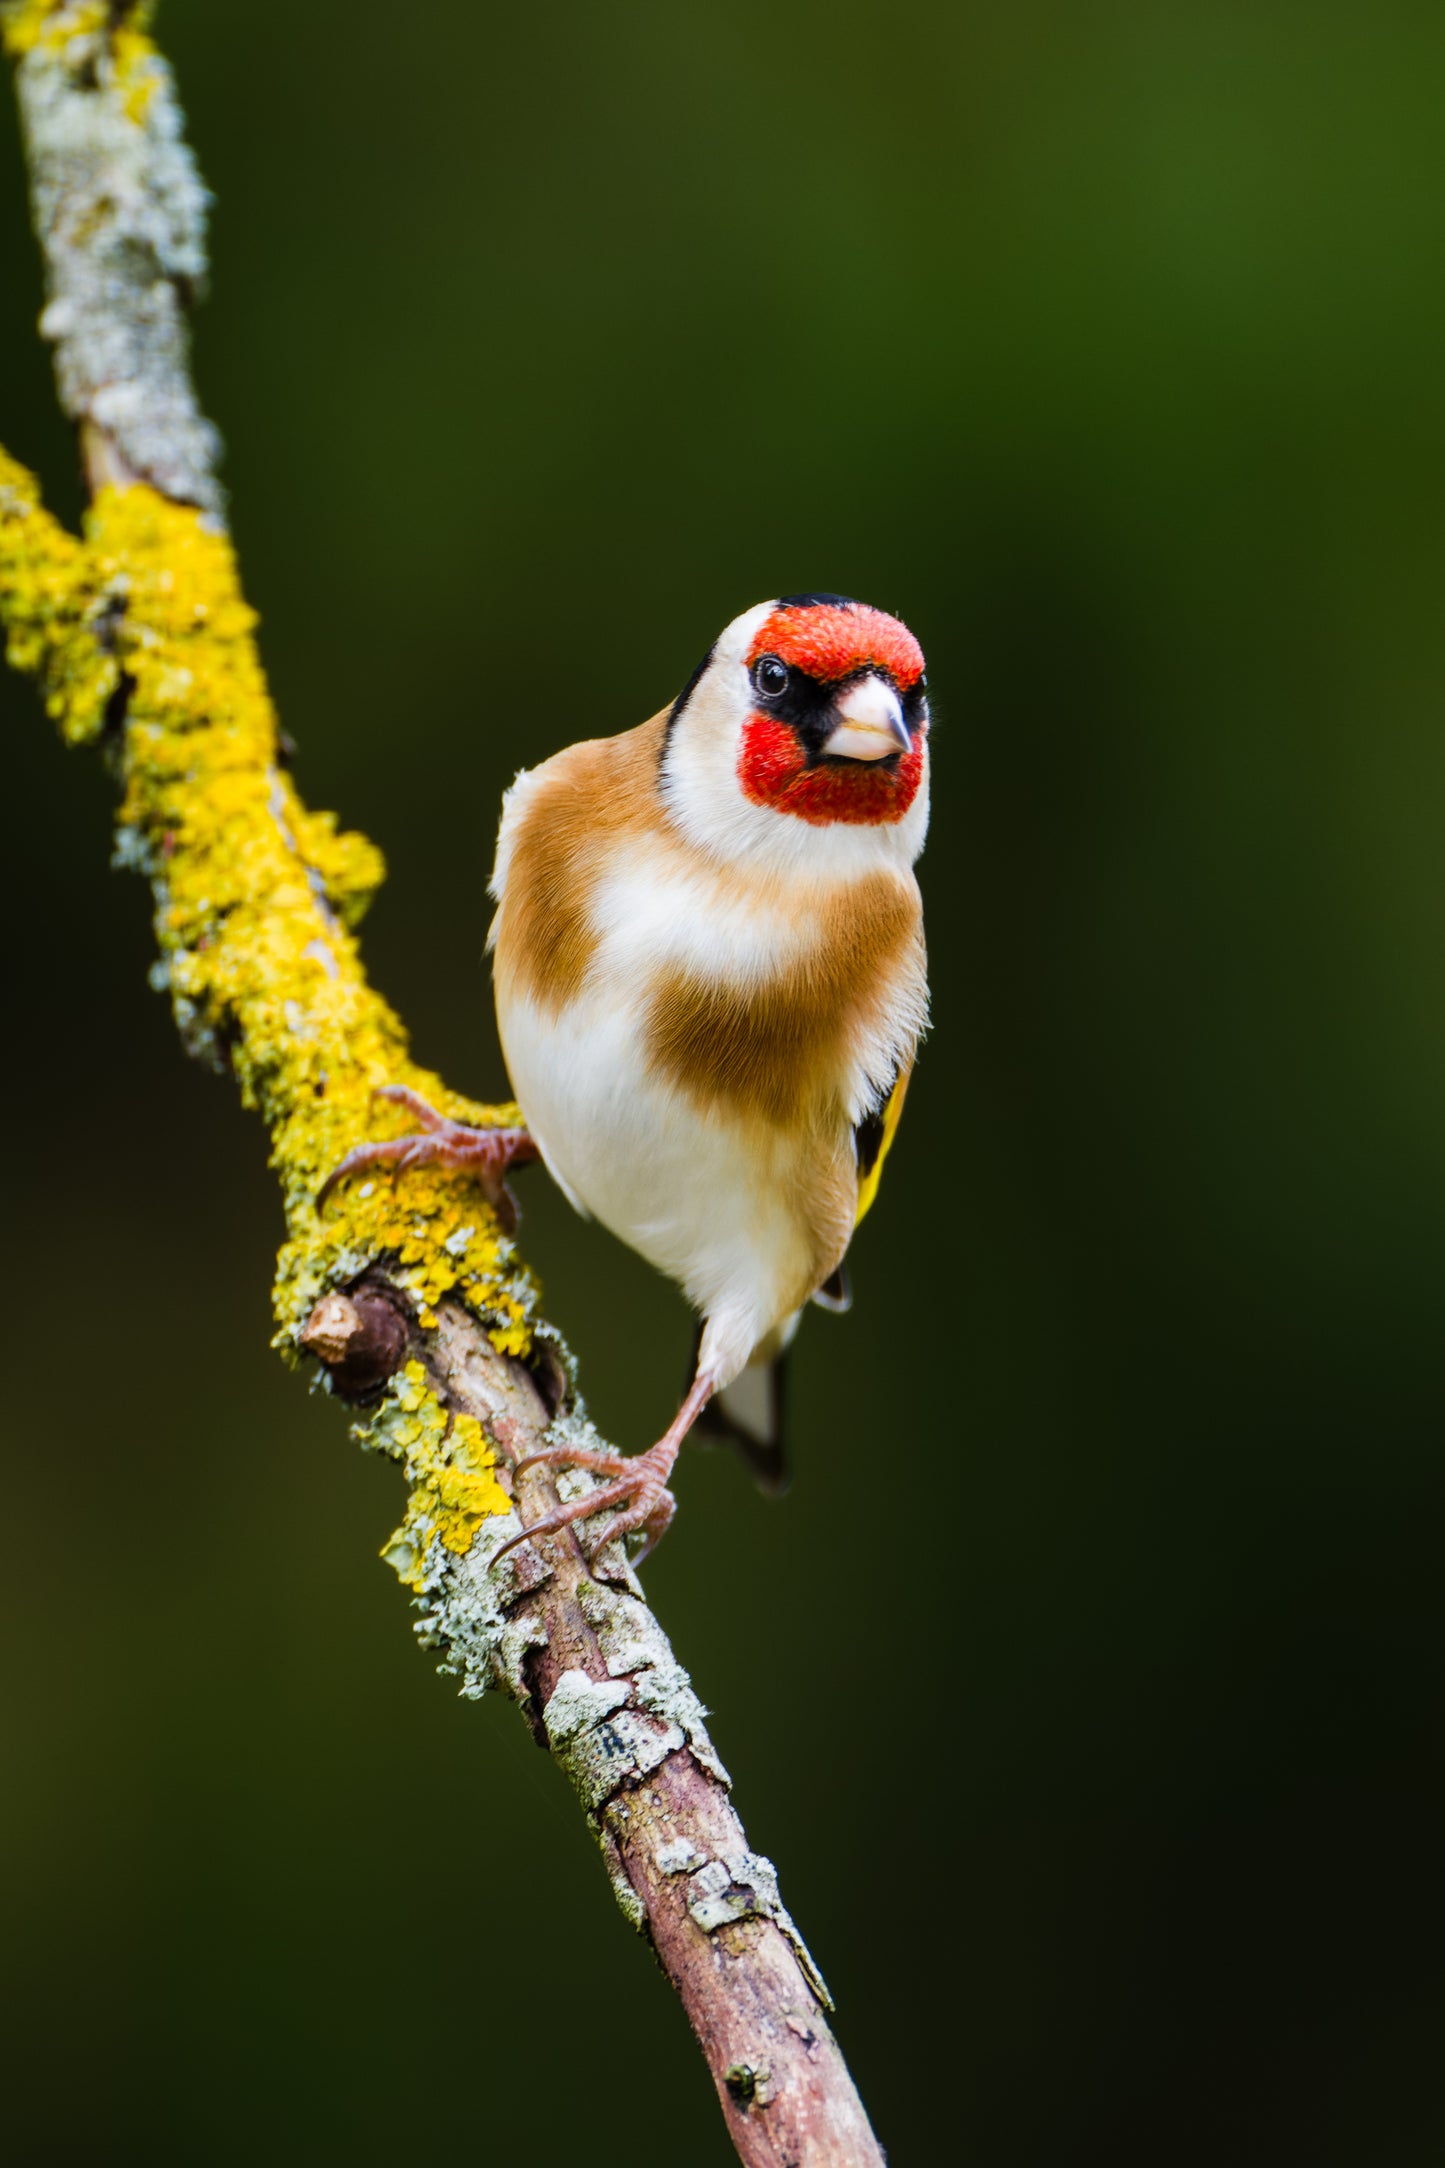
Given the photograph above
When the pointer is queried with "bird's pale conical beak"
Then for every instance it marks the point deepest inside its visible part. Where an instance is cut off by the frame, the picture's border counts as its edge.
(870, 722)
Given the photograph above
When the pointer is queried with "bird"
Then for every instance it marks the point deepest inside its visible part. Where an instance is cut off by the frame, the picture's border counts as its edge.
(711, 983)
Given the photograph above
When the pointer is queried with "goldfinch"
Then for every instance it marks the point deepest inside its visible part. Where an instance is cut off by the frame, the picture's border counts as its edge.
(710, 983)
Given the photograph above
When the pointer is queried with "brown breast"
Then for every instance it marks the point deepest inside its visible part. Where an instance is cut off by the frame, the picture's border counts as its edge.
(774, 1049)
(778, 1049)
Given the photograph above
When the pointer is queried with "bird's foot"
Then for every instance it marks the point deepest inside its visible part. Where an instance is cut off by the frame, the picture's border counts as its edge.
(440, 1142)
(639, 1485)
(639, 1482)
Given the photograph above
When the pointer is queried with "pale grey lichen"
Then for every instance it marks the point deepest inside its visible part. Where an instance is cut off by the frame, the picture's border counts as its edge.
(741, 1886)
(121, 213)
(633, 1910)
(633, 1643)
(678, 1856)
(601, 1740)
(518, 1637)
(666, 1690)
(467, 1610)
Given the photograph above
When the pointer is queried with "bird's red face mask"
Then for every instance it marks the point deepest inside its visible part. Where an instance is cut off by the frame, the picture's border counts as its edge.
(839, 717)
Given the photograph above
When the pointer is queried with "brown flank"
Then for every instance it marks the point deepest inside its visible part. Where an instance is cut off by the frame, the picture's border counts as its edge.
(592, 795)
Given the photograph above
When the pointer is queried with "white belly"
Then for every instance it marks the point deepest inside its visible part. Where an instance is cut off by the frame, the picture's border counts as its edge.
(702, 1199)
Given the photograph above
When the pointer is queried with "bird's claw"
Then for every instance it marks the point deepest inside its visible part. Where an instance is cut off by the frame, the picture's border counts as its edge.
(440, 1142)
(641, 1478)
(601, 1460)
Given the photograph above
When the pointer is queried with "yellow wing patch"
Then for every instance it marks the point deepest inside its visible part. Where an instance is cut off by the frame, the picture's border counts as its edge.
(874, 1141)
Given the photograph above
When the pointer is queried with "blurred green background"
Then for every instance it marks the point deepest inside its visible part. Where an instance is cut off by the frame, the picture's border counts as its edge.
(1087, 1687)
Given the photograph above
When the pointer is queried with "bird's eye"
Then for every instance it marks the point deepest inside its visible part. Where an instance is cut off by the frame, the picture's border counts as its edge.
(770, 677)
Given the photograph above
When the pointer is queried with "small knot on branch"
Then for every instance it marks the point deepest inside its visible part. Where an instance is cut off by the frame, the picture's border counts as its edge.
(359, 1338)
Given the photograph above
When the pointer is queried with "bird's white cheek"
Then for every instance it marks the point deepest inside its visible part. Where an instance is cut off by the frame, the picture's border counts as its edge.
(703, 793)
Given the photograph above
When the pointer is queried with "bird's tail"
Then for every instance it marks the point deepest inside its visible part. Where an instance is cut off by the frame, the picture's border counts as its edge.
(750, 1416)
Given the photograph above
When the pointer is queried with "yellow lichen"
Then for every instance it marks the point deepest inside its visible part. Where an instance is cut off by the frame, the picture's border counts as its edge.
(27, 24)
(119, 34)
(449, 1468)
(255, 898)
(53, 608)
(137, 75)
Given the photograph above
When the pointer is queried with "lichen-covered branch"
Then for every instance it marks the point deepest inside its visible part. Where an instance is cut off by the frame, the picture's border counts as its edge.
(122, 211)
(412, 1298)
